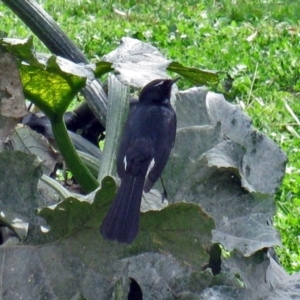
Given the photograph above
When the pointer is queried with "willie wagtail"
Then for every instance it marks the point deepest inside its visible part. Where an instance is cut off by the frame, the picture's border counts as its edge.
(147, 140)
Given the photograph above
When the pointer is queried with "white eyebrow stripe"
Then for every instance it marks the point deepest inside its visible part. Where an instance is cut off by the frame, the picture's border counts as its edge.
(150, 167)
(125, 163)
(160, 83)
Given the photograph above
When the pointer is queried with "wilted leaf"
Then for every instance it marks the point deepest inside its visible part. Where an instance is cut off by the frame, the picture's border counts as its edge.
(26, 140)
(12, 103)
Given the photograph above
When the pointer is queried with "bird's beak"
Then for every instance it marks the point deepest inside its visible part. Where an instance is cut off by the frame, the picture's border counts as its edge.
(170, 83)
(174, 80)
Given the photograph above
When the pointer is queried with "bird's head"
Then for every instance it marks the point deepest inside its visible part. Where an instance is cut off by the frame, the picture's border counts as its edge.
(158, 90)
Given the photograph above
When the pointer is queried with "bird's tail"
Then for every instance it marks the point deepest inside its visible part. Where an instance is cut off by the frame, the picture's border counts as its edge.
(122, 220)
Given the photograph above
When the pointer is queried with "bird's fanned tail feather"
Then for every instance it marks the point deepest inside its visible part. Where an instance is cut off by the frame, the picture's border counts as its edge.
(122, 220)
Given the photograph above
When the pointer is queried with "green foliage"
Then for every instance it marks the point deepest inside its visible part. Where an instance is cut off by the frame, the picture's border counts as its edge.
(256, 42)
(288, 211)
(51, 83)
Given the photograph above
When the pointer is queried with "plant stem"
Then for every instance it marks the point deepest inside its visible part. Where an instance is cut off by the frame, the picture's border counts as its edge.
(118, 105)
(81, 173)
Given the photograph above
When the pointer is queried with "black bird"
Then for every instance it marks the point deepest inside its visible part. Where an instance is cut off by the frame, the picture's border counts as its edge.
(148, 138)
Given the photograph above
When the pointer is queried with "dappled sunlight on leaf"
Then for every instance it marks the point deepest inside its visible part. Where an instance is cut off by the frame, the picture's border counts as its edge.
(50, 82)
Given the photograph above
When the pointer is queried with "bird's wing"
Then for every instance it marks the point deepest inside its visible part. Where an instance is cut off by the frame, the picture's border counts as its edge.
(135, 149)
(126, 141)
(136, 158)
(162, 153)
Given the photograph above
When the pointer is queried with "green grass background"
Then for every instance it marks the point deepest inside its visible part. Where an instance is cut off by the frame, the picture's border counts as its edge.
(256, 42)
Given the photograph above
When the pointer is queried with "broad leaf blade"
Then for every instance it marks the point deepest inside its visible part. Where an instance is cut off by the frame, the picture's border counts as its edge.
(194, 75)
(74, 212)
(50, 82)
(178, 228)
(210, 163)
(136, 63)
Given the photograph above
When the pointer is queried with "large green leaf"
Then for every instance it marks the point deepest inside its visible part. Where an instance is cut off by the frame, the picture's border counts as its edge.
(70, 243)
(137, 63)
(194, 75)
(220, 162)
(49, 81)
(175, 228)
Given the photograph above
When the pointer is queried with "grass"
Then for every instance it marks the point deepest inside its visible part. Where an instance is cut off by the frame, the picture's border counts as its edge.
(256, 42)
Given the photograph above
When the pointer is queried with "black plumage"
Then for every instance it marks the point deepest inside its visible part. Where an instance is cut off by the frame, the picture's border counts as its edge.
(148, 138)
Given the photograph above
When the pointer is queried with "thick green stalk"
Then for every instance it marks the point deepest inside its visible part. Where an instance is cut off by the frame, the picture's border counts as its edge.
(118, 104)
(81, 173)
